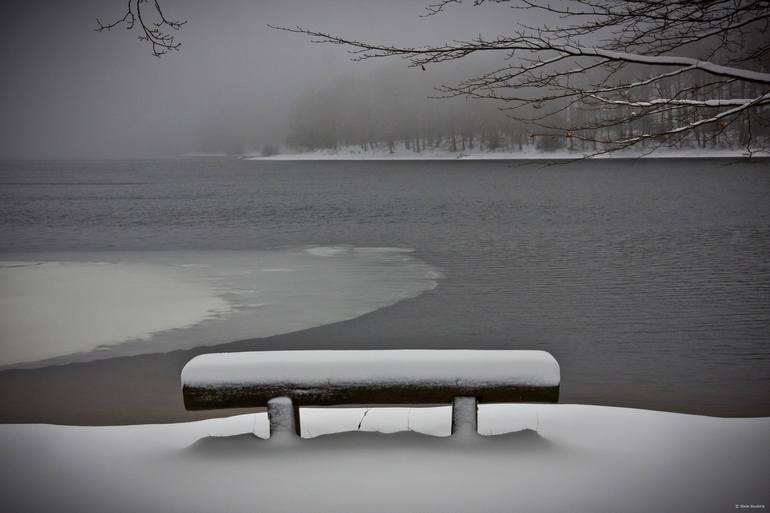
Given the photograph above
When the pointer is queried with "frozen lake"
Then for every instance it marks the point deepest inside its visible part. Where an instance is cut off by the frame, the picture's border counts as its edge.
(648, 280)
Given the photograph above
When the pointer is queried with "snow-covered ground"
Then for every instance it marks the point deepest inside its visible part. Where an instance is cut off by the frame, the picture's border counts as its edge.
(556, 458)
(356, 153)
(82, 306)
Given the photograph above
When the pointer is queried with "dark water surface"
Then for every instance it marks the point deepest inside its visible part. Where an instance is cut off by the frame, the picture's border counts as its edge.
(648, 280)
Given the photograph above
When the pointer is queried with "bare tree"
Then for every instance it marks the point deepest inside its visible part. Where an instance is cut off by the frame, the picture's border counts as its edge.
(155, 31)
(629, 73)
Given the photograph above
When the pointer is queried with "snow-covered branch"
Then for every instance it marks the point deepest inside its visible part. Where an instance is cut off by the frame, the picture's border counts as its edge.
(713, 119)
(603, 66)
(762, 100)
(421, 56)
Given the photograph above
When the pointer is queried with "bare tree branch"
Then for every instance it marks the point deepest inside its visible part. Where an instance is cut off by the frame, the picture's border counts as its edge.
(603, 66)
(156, 33)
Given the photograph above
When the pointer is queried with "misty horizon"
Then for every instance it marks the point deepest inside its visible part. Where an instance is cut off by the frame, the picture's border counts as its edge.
(71, 92)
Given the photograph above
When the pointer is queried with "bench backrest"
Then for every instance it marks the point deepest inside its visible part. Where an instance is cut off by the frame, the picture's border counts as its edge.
(231, 380)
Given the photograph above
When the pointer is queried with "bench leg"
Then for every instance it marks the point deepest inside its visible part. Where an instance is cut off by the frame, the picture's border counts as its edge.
(283, 417)
(297, 424)
(464, 416)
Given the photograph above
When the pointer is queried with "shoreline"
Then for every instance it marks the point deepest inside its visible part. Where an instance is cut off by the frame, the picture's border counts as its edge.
(378, 155)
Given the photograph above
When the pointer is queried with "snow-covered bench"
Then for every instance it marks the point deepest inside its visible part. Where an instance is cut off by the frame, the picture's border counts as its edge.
(285, 380)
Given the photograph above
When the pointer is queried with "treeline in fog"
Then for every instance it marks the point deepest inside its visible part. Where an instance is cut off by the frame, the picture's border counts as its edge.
(392, 110)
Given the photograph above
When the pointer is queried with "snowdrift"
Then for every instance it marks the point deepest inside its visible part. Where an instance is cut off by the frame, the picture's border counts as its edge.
(554, 458)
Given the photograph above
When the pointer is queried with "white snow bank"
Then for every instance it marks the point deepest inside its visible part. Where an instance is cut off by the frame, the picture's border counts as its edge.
(96, 305)
(563, 458)
(308, 369)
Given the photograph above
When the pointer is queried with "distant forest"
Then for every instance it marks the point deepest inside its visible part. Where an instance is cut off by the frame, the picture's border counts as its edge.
(391, 109)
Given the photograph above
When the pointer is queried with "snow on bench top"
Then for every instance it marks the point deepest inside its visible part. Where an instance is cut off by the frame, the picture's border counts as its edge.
(403, 366)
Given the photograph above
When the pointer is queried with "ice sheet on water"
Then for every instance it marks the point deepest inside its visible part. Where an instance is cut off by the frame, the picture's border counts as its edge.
(327, 251)
(56, 308)
(143, 302)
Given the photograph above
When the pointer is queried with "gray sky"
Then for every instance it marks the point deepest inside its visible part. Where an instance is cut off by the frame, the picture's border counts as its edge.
(68, 91)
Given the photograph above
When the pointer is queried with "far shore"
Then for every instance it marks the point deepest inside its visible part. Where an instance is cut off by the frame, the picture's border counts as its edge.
(379, 154)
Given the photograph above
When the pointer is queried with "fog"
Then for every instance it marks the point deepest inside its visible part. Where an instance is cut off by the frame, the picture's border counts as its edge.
(70, 92)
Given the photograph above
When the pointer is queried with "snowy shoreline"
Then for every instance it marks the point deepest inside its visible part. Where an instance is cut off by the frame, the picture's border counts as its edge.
(353, 154)
(554, 458)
